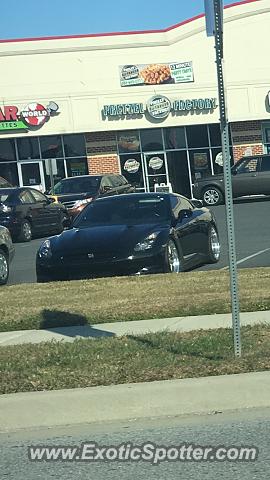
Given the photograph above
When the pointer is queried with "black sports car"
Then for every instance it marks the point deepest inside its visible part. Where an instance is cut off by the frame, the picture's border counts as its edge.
(131, 234)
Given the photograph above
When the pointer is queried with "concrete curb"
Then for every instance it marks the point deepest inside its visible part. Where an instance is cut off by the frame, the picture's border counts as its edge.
(134, 401)
(176, 324)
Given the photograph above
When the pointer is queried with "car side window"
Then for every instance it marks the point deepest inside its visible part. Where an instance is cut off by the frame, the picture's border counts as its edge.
(265, 164)
(179, 203)
(26, 197)
(248, 166)
(39, 197)
(106, 183)
(123, 180)
(115, 181)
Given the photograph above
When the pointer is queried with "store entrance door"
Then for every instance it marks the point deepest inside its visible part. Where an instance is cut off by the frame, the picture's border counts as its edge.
(156, 170)
(31, 174)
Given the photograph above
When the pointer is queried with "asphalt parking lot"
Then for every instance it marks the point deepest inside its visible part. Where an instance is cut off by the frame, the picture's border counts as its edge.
(252, 231)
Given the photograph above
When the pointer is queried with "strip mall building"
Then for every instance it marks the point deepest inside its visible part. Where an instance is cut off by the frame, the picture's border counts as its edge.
(141, 103)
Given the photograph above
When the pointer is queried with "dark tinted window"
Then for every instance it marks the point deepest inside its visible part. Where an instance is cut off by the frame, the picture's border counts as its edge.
(174, 137)
(265, 164)
(128, 211)
(39, 197)
(74, 145)
(7, 150)
(197, 136)
(78, 185)
(151, 140)
(128, 141)
(28, 148)
(51, 147)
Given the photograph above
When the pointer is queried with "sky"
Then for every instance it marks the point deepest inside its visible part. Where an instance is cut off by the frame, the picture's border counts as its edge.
(38, 18)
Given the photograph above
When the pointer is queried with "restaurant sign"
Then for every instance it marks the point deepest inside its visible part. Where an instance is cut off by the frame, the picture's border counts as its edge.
(159, 107)
(33, 115)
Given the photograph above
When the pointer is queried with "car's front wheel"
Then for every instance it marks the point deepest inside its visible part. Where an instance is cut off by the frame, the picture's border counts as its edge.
(26, 232)
(173, 263)
(213, 245)
(4, 267)
(212, 196)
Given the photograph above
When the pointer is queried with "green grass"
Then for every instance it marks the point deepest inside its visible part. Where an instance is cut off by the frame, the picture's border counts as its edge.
(146, 358)
(36, 306)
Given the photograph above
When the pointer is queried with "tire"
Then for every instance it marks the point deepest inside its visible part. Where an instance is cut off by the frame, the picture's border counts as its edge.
(26, 232)
(212, 196)
(213, 245)
(4, 267)
(173, 261)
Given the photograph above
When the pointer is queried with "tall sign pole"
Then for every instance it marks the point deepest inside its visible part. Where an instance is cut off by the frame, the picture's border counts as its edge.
(214, 27)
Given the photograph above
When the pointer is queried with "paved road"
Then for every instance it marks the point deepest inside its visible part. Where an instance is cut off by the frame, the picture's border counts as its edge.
(252, 228)
(250, 427)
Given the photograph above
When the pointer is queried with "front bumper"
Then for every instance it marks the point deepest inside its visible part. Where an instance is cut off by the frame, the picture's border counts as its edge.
(65, 269)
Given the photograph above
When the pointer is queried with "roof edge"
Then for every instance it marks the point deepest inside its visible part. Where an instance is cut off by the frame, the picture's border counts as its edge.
(113, 34)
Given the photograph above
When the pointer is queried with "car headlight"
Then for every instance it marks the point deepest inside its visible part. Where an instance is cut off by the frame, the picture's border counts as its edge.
(147, 243)
(5, 208)
(45, 250)
(79, 203)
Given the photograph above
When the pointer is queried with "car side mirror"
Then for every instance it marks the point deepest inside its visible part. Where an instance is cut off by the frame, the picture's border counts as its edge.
(197, 203)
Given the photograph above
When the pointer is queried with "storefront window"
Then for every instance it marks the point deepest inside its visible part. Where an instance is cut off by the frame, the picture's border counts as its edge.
(174, 138)
(74, 145)
(131, 168)
(215, 135)
(128, 141)
(51, 147)
(7, 150)
(58, 172)
(197, 136)
(151, 140)
(76, 166)
(178, 172)
(200, 164)
(28, 148)
(9, 172)
(217, 159)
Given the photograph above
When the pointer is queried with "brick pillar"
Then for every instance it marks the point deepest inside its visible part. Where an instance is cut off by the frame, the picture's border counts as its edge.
(246, 139)
(102, 154)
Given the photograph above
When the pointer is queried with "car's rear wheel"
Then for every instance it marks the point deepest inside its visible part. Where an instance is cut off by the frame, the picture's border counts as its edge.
(4, 267)
(173, 263)
(26, 232)
(212, 196)
(213, 245)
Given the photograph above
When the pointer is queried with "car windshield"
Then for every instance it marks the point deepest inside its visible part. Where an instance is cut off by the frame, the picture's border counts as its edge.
(125, 211)
(77, 185)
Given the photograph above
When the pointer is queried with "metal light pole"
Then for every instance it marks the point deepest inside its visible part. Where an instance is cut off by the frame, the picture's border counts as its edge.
(214, 27)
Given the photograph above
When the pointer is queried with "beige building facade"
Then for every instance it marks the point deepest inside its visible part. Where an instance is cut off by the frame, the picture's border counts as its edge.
(141, 103)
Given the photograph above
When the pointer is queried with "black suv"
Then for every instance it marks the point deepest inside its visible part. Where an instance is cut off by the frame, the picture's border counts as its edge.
(76, 192)
(250, 176)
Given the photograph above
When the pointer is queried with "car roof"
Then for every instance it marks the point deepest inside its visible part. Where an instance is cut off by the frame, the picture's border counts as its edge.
(137, 195)
(89, 176)
(8, 190)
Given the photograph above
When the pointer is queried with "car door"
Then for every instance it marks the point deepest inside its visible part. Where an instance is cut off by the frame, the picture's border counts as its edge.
(26, 208)
(187, 228)
(47, 216)
(264, 174)
(245, 178)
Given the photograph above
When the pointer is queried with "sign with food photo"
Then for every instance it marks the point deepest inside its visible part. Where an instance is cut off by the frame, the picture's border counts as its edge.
(156, 74)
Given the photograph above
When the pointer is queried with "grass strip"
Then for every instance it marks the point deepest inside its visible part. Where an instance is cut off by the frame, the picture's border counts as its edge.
(107, 361)
(37, 306)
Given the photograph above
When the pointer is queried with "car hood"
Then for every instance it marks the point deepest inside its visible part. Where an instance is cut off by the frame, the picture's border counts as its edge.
(101, 239)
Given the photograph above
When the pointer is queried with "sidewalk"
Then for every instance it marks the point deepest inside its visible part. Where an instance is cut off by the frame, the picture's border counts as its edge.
(176, 324)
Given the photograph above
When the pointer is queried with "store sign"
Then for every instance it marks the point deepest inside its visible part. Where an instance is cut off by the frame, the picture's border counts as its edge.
(159, 107)
(33, 115)
(131, 165)
(156, 74)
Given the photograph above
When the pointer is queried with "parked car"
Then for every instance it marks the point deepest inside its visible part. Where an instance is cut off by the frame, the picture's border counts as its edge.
(131, 234)
(6, 254)
(250, 176)
(4, 183)
(76, 192)
(27, 212)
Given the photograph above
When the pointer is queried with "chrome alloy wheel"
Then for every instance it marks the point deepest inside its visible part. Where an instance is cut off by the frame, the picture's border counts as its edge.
(3, 268)
(211, 196)
(173, 257)
(214, 243)
(26, 231)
